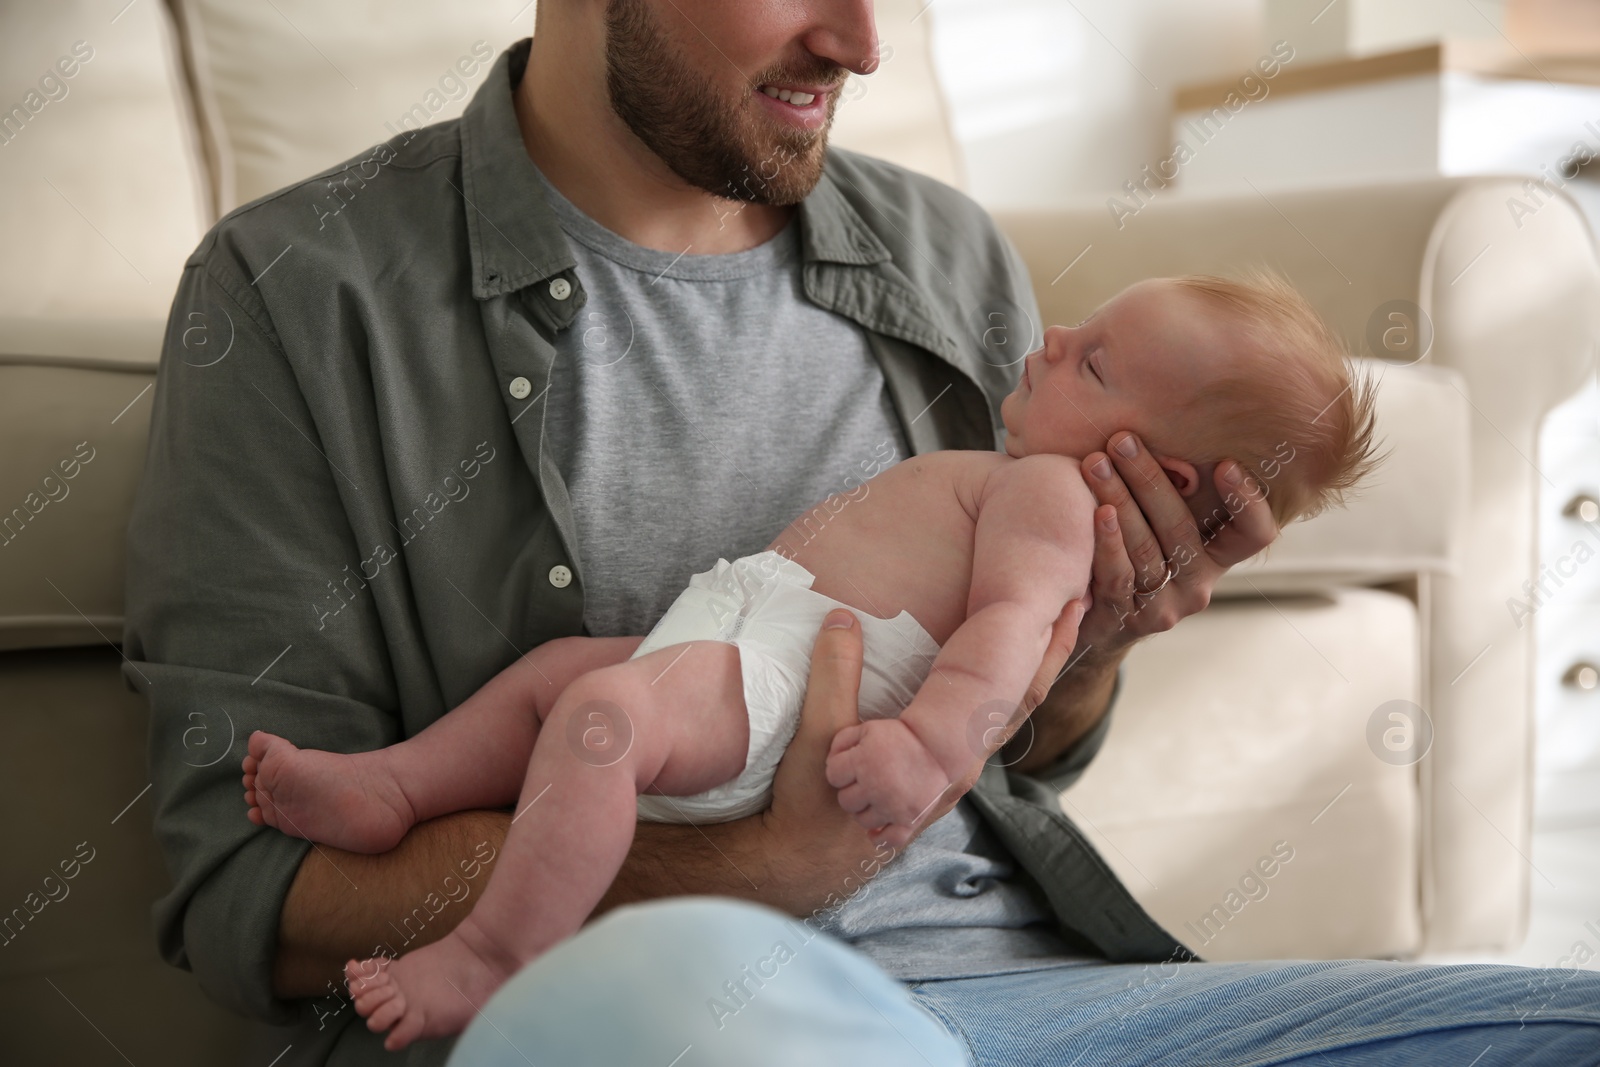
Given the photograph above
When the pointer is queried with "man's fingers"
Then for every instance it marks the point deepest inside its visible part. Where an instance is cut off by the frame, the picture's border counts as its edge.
(1113, 575)
(1166, 515)
(1065, 633)
(834, 686)
(805, 832)
(1063, 638)
(1251, 527)
(1113, 571)
(1140, 544)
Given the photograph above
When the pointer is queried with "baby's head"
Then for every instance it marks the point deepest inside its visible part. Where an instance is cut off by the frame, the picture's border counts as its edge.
(1205, 369)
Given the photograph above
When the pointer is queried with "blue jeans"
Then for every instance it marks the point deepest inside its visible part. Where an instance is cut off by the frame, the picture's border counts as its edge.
(698, 981)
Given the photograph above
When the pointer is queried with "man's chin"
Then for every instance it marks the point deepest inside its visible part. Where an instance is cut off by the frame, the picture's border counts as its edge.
(779, 173)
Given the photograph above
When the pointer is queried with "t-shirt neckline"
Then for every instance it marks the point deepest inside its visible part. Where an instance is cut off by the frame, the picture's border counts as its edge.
(776, 253)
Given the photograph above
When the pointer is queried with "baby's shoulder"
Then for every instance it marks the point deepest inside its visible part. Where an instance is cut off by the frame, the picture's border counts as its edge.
(1043, 480)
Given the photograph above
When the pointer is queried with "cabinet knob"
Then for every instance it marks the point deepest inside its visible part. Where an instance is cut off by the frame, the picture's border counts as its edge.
(1581, 675)
(1583, 507)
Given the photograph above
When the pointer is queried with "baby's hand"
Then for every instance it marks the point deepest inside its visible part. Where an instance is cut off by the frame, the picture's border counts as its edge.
(886, 778)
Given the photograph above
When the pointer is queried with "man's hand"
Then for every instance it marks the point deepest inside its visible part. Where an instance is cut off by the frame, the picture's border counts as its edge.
(1152, 565)
(812, 845)
(804, 851)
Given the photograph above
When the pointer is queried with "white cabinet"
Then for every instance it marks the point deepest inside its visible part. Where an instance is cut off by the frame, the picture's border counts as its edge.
(1568, 615)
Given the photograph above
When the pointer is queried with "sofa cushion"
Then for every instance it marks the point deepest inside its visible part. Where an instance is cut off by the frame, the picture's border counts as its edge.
(290, 88)
(103, 194)
(287, 89)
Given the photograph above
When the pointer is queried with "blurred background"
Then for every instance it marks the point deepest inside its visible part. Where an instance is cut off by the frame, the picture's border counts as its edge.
(1436, 160)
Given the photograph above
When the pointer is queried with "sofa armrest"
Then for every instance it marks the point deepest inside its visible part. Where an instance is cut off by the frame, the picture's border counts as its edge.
(1407, 519)
(1513, 303)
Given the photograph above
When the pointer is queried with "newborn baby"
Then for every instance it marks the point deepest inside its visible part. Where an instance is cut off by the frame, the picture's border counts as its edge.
(957, 563)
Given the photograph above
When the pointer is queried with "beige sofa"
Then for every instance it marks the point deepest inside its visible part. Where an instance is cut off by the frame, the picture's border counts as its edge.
(1243, 741)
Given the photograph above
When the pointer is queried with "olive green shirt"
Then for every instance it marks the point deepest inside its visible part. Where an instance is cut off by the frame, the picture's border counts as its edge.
(347, 526)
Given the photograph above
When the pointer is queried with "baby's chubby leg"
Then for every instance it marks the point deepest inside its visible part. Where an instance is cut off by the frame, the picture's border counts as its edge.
(474, 756)
(674, 720)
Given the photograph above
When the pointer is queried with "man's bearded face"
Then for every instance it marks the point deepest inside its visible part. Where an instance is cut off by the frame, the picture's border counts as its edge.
(724, 140)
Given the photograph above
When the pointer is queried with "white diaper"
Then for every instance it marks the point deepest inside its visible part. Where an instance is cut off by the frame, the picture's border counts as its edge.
(764, 604)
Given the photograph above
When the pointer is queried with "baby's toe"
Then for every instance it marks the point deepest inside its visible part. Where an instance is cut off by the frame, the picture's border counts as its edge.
(258, 744)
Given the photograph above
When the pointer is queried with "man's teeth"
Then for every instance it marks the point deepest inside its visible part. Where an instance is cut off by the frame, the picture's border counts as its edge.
(788, 97)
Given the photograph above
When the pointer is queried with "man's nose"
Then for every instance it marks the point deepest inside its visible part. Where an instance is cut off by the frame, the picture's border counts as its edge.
(844, 31)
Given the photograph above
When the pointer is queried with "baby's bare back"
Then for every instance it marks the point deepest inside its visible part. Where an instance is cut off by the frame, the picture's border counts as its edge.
(901, 541)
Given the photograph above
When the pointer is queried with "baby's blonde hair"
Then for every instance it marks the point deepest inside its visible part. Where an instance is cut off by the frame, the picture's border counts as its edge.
(1295, 412)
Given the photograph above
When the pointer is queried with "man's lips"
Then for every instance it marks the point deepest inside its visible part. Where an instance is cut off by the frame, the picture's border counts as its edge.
(805, 105)
(786, 91)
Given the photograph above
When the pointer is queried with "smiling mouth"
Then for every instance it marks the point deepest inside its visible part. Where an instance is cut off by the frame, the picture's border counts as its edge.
(796, 97)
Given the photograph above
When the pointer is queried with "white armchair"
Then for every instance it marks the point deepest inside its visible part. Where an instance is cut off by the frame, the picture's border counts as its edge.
(1249, 724)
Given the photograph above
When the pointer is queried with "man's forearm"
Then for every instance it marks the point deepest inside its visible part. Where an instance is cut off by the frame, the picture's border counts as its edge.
(1077, 701)
(344, 906)
(668, 859)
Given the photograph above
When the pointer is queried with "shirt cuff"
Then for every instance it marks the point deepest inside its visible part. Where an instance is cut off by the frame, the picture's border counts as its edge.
(229, 927)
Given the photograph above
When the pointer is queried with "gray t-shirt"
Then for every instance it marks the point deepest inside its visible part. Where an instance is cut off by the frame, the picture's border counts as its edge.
(698, 404)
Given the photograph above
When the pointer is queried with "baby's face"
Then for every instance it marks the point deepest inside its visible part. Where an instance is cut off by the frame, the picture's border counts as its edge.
(1129, 366)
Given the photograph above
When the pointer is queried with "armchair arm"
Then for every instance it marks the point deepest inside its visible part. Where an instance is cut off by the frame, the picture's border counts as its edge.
(1514, 306)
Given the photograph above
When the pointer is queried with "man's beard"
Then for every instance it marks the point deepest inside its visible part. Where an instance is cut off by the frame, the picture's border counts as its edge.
(726, 148)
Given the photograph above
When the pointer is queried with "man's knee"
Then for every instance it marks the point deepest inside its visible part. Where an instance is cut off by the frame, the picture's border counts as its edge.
(691, 924)
(739, 982)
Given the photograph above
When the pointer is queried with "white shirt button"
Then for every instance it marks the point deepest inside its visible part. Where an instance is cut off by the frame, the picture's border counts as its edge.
(521, 387)
(560, 288)
(560, 577)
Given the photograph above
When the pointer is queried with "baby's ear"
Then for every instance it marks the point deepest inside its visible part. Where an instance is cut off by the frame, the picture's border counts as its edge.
(1182, 474)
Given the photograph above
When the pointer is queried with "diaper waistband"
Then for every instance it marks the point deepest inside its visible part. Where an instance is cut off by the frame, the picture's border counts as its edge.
(736, 591)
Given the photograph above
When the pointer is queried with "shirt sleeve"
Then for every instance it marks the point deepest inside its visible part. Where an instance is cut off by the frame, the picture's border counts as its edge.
(235, 540)
(1071, 764)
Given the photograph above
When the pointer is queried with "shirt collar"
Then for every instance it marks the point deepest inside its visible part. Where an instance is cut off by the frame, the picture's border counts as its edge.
(833, 230)
(514, 237)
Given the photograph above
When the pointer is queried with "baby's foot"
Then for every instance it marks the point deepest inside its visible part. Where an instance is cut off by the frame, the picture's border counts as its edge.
(348, 801)
(431, 992)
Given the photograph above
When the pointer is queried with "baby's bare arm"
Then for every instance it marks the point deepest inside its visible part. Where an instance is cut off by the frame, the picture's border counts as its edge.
(1031, 554)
